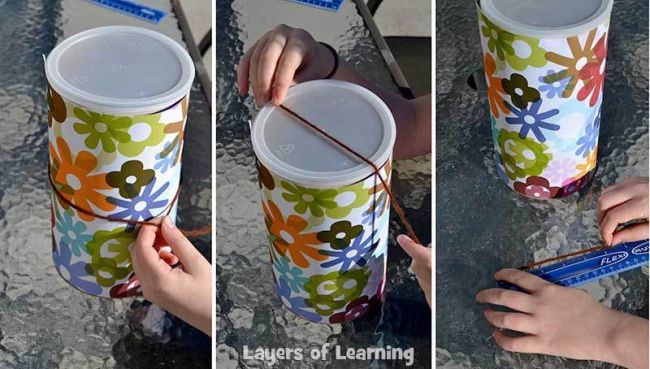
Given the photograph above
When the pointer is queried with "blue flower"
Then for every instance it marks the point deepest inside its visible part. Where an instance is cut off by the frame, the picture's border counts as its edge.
(589, 141)
(73, 273)
(291, 275)
(378, 210)
(296, 304)
(555, 88)
(167, 161)
(500, 171)
(140, 207)
(597, 119)
(532, 120)
(72, 233)
(356, 253)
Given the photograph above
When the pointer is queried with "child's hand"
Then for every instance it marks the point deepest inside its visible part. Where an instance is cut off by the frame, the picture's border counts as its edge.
(282, 57)
(421, 264)
(184, 291)
(622, 203)
(564, 322)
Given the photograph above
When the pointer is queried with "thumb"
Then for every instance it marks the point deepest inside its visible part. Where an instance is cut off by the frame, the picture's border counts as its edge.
(188, 255)
(414, 250)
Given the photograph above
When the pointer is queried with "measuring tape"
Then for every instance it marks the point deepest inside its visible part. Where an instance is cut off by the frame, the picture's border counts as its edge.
(139, 11)
(332, 5)
(593, 266)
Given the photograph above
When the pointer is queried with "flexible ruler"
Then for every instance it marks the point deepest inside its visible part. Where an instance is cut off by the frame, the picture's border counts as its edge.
(593, 266)
(332, 5)
(143, 12)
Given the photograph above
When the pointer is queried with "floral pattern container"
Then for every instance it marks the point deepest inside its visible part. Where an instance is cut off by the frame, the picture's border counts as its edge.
(112, 152)
(545, 77)
(326, 214)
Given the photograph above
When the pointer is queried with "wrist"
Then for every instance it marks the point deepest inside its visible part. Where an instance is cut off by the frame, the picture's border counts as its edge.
(327, 61)
(615, 343)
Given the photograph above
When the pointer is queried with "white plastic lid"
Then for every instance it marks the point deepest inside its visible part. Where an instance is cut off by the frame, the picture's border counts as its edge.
(298, 153)
(120, 70)
(547, 18)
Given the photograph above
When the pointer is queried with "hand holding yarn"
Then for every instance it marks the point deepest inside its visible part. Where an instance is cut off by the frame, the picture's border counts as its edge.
(184, 291)
(282, 57)
(421, 264)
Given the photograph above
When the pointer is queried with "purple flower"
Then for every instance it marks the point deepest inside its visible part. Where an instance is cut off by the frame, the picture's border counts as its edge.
(356, 253)
(140, 207)
(589, 141)
(73, 273)
(532, 120)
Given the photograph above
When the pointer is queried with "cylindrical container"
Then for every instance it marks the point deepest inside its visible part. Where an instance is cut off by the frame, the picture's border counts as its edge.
(545, 69)
(117, 99)
(326, 211)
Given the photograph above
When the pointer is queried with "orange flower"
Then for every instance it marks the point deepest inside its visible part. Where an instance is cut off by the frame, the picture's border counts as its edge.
(177, 127)
(589, 165)
(495, 88)
(580, 57)
(77, 183)
(288, 237)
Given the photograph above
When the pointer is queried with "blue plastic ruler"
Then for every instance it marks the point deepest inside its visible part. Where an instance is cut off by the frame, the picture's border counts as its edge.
(593, 266)
(332, 5)
(143, 12)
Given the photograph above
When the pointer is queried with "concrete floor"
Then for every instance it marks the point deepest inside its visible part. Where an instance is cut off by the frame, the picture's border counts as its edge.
(410, 18)
(199, 16)
(404, 18)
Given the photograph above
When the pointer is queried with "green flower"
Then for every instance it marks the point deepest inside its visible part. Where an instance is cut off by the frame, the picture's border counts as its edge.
(340, 234)
(348, 198)
(521, 94)
(130, 178)
(104, 128)
(106, 271)
(518, 51)
(522, 157)
(526, 53)
(499, 41)
(145, 131)
(112, 244)
(309, 198)
(110, 250)
(332, 291)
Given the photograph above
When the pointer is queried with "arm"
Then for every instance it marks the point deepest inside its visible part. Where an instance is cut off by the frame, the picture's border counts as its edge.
(285, 56)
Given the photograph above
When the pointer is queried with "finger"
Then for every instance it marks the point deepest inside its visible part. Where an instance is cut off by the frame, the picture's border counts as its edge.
(168, 257)
(521, 279)
(612, 198)
(525, 344)
(243, 68)
(632, 233)
(187, 254)
(290, 61)
(416, 251)
(515, 300)
(268, 64)
(514, 321)
(253, 67)
(144, 257)
(621, 214)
